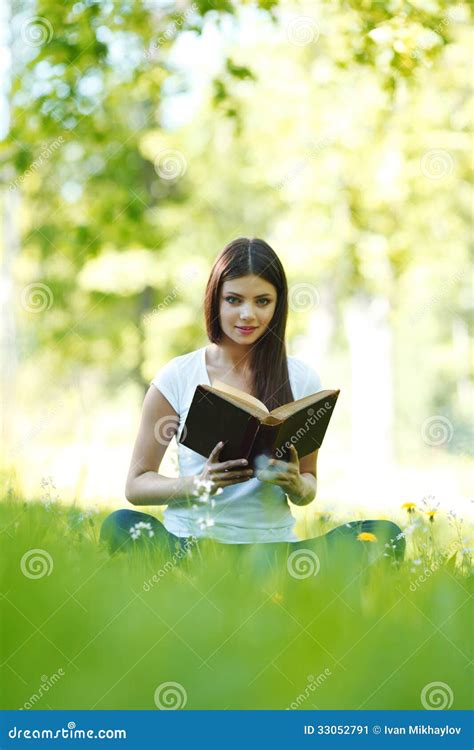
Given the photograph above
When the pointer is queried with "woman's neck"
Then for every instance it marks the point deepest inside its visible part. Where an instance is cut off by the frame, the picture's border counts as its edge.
(230, 354)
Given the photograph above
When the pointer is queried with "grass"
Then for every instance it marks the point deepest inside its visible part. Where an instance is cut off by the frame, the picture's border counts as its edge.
(228, 628)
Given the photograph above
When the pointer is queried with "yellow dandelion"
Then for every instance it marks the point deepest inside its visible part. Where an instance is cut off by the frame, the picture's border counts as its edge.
(431, 514)
(366, 536)
(410, 507)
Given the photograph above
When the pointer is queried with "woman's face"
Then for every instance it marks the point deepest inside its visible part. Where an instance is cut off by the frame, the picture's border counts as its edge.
(246, 308)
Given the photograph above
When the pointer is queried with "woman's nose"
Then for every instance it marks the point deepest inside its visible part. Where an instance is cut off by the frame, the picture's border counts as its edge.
(246, 311)
(246, 314)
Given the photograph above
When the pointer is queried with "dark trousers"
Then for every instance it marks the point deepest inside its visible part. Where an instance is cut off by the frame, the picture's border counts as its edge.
(389, 541)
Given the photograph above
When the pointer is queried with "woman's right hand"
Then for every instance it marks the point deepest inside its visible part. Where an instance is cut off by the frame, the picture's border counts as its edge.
(224, 473)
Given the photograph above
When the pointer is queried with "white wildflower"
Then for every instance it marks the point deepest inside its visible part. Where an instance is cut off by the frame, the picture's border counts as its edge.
(203, 489)
(429, 501)
(136, 530)
(205, 523)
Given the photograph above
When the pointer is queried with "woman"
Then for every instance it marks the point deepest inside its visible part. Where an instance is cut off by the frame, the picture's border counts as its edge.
(246, 307)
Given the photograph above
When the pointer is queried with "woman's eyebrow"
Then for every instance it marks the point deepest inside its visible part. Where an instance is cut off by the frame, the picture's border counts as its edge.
(236, 294)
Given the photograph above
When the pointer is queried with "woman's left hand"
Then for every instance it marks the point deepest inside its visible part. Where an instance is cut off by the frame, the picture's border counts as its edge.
(285, 474)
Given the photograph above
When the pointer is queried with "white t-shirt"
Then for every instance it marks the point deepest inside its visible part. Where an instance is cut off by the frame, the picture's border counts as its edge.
(251, 511)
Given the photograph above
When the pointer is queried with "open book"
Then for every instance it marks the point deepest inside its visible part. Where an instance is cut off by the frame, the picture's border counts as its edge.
(222, 412)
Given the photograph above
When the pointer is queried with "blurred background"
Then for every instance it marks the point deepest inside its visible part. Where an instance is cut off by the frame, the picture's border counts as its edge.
(138, 138)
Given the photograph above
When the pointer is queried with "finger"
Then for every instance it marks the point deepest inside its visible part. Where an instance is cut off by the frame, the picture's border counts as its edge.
(294, 458)
(215, 451)
(276, 465)
(235, 464)
(273, 477)
(217, 476)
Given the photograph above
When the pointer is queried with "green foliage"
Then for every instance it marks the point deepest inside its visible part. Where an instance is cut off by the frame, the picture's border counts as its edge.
(348, 152)
(231, 625)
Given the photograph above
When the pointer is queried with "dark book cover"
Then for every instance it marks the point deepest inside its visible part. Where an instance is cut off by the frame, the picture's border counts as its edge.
(249, 431)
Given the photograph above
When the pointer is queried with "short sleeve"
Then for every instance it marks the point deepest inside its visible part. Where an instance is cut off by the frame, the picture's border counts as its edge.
(166, 381)
(307, 381)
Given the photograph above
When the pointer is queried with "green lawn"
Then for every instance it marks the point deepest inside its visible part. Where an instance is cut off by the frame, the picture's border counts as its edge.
(83, 630)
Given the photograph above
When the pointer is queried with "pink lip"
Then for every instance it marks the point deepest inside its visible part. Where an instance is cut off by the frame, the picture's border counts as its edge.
(246, 330)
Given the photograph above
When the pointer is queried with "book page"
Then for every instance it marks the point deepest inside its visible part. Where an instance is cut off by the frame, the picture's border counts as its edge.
(238, 393)
(282, 412)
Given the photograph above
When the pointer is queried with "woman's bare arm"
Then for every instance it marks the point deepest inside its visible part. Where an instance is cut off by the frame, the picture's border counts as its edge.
(159, 423)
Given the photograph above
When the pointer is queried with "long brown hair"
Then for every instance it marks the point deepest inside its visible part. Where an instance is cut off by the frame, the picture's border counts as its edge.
(268, 362)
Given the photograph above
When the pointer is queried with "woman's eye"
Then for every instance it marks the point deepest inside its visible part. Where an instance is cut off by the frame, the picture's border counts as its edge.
(232, 299)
